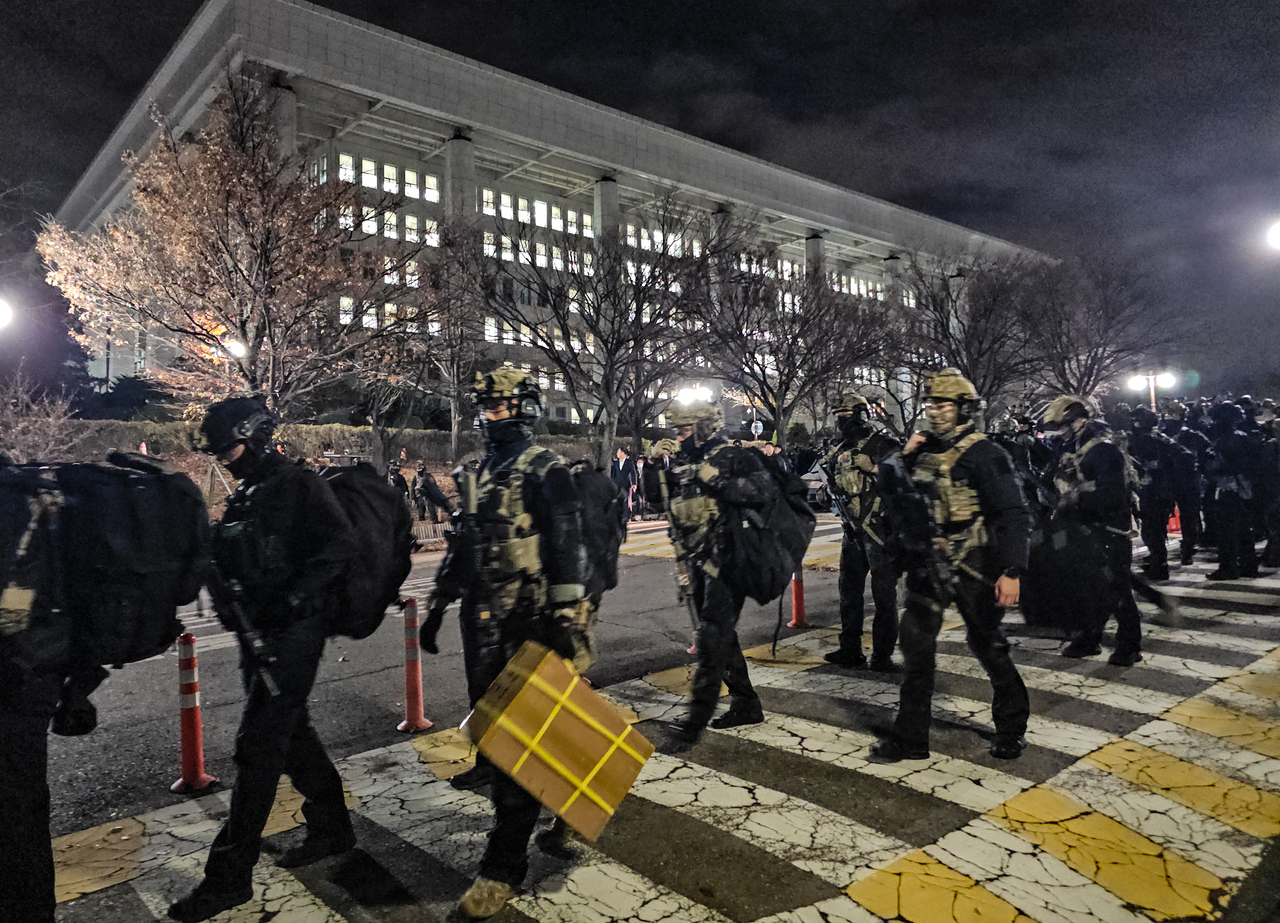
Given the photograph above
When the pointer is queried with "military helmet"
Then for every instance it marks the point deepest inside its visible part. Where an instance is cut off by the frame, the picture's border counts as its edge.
(1063, 411)
(511, 385)
(850, 402)
(236, 420)
(951, 385)
(1005, 426)
(703, 414)
(1143, 418)
(1226, 413)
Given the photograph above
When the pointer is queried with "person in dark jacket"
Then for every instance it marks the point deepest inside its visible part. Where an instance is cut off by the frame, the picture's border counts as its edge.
(1189, 484)
(623, 472)
(283, 542)
(1232, 467)
(977, 510)
(1094, 484)
(428, 497)
(516, 562)
(1157, 456)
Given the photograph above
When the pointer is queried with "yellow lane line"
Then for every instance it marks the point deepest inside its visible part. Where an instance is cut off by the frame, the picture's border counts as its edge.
(1252, 733)
(1263, 685)
(917, 888)
(1137, 870)
(1241, 806)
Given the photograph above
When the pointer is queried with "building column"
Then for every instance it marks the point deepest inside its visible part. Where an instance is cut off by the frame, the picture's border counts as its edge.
(815, 256)
(460, 176)
(608, 214)
(284, 112)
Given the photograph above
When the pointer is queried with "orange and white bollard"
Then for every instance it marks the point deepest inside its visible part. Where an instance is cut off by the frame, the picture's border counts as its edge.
(797, 600)
(194, 778)
(1175, 523)
(414, 720)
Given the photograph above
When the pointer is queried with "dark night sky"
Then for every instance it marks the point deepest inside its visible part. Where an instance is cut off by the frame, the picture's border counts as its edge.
(1147, 127)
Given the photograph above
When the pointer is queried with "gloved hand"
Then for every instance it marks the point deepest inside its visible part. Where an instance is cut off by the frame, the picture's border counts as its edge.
(430, 628)
(665, 447)
(562, 631)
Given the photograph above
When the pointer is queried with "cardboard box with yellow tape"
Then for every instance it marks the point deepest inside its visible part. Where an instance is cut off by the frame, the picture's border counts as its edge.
(541, 724)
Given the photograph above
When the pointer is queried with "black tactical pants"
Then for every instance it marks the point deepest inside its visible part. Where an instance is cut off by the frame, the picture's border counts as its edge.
(1234, 523)
(26, 856)
(719, 654)
(1188, 504)
(276, 737)
(1155, 529)
(918, 638)
(859, 556)
(1115, 598)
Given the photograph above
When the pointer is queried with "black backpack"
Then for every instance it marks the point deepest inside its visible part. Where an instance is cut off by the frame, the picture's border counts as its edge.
(384, 534)
(767, 545)
(127, 544)
(604, 525)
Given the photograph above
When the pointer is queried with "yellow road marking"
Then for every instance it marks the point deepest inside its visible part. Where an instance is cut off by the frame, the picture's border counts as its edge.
(1235, 803)
(446, 753)
(678, 680)
(918, 888)
(1256, 734)
(1140, 872)
(97, 858)
(1263, 685)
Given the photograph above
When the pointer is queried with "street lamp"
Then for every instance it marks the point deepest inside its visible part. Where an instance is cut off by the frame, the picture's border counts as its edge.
(689, 395)
(6, 313)
(1273, 236)
(235, 348)
(1150, 381)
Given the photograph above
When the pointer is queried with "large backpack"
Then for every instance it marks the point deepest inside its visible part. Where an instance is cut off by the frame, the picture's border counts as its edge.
(384, 534)
(767, 545)
(604, 525)
(125, 544)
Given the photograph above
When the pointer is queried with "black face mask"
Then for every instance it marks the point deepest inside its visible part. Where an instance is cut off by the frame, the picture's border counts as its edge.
(851, 425)
(502, 435)
(245, 465)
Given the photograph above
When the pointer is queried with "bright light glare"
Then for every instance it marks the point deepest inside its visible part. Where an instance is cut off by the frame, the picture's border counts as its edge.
(689, 395)
(235, 348)
(1273, 236)
(1166, 380)
(1138, 383)
(6, 313)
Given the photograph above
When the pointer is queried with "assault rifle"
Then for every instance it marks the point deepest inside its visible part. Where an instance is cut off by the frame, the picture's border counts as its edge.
(842, 507)
(920, 545)
(684, 585)
(230, 603)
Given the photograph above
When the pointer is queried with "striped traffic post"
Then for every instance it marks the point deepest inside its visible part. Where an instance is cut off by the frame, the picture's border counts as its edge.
(414, 720)
(797, 600)
(194, 778)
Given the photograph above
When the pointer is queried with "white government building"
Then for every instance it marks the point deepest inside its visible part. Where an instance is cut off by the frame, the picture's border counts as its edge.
(455, 136)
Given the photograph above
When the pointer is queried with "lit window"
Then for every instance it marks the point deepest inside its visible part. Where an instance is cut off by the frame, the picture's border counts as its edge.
(430, 187)
(541, 254)
(526, 335)
(558, 383)
(522, 210)
(587, 229)
(526, 255)
(557, 219)
(544, 380)
(574, 306)
(370, 319)
(390, 274)
(588, 265)
(487, 202)
(490, 330)
(411, 273)
(645, 242)
(433, 328)
(490, 244)
(676, 244)
(390, 179)
(431, 232)
(557, 259)
(571, 224)
(507, 253)
(347, 168)
(390, 314)
(324, 168)
(411, 228)
(573, 415)
(697, 247)
(369, 223)
(540, 213)
(508, 333)
(508, 213)
(390, 225)
(411, 183)
(346, 309)
(631, 234)
(347, 218)
(369, 173)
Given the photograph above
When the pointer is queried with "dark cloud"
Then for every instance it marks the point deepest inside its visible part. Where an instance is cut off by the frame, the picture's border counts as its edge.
(1147, 127)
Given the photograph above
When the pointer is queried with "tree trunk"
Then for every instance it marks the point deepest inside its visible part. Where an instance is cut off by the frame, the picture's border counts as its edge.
(780, 424)
(455, 426)
(603, 437)
(382, 447)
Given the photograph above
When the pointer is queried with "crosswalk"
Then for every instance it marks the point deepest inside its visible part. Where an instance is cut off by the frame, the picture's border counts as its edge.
(1147, 793)
(650, 540)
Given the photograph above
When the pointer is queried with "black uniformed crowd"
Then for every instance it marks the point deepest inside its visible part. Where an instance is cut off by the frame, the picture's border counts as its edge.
(1037, 512)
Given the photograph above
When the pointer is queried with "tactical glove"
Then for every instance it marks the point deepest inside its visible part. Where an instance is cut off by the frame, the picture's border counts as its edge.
(665, 447)
(562, 631)
(430, 628)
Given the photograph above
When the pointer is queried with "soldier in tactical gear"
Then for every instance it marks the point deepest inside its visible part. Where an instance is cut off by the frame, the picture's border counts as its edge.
(707, 477)
(851, 466)
(1095, 482)
(981, 538)
(1157, 455)
(1232, 470)
(282, 542)
(1188, 483)
(516, 562)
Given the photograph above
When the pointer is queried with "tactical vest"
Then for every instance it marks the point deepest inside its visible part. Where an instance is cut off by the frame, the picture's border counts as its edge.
(851, 468)
(694, 514)
(1071, 482)
(956, 508)
(510, 556)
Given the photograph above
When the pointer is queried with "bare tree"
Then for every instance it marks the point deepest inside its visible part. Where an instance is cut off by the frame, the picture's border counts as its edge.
(252, 274)
(1093, 318)
(608, 315)
(36, 425)
(780, 336)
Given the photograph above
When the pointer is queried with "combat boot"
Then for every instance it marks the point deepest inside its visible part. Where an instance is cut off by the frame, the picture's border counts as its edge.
(843, 658)
(737, 717)
(485, 898)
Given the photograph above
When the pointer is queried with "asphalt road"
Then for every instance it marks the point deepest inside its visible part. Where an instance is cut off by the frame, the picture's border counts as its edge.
(126, 766)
